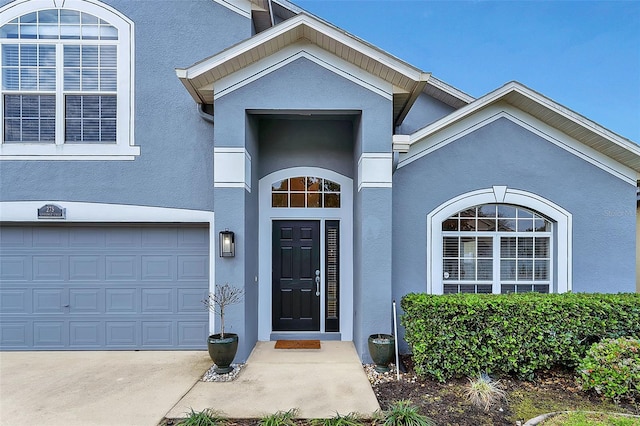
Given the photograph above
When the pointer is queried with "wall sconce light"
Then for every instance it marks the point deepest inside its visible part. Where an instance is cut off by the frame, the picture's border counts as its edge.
(227, 244)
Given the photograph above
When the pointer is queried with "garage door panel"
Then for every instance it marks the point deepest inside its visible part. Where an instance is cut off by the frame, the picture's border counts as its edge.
(157, 333)
(49, 268)
(15, 334)
(50, 237)
(191, 333)
(192, 237)
(193, 267)
(121, 268)
(157, 300)
(88, 287)
(50, 334)
(86, 300)
(121, 334)
(84, 334)
(15, 300)
(85, 268)
(121, 300)
(50, 300)
(191, 299)
(15, 237)
(157, 268)
(15, 268)
(123, 238)
(159, 238)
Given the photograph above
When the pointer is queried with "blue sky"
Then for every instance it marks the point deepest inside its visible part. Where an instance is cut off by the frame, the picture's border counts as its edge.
(584, 55)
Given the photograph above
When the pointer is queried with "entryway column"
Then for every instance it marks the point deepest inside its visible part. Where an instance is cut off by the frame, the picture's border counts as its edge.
(232, 189)
(372, 263)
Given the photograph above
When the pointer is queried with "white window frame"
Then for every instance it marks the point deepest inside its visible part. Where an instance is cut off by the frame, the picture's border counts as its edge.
(561, 237)
(124, 148)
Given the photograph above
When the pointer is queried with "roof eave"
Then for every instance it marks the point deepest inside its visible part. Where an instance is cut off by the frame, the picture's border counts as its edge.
(510, 92)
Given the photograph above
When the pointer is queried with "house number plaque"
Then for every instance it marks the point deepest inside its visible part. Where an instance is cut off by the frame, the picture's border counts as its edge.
(51, 211)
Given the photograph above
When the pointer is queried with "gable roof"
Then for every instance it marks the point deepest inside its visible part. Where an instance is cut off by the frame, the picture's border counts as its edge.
(544, 109)
(446, 93)
(407, 81)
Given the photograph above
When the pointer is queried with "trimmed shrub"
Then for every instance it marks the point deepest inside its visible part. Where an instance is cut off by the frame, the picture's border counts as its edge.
(612, 368)
(464, 334)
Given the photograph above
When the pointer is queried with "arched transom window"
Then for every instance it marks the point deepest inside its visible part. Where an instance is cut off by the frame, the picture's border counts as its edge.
(306, 192)
(66, 81)
(496, 248)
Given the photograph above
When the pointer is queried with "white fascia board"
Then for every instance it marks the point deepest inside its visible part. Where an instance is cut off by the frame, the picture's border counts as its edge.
(232, 168)
(496, 95)
(425, 146)
(375, 170)
(456, 93)
(241, 7)
(314, 24)
(311, 52)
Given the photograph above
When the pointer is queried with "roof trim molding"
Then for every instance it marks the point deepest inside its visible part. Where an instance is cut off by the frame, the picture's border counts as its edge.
(532, 124)
(241, 7)
(567, 124)
(407, 80)
(292, 53)
(447, 93)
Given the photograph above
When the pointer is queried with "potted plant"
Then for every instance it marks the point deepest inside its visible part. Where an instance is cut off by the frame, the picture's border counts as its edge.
(382, 351)
(223, 346)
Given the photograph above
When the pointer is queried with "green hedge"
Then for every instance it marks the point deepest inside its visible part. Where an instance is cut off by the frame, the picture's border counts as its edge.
(464, 334)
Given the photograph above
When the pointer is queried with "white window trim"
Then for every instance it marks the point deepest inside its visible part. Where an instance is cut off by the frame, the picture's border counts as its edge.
(344, 214)
(124, 148)
(501, 194)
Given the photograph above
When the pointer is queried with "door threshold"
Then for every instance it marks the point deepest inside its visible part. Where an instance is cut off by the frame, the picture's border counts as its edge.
(304, 335)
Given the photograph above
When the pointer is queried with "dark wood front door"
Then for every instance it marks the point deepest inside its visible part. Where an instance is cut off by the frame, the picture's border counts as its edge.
(296, 275)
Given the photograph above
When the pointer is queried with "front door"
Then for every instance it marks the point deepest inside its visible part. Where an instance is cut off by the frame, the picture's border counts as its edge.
(296, 275)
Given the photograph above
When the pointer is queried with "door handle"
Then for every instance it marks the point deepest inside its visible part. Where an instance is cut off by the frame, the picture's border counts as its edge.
(317, 282)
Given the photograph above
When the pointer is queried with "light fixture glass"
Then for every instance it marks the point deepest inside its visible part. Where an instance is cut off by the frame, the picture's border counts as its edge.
(227, 243)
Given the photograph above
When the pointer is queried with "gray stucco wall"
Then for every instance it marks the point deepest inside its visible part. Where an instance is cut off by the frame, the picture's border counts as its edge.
(303, 87)
(326, 143)
(503, 153)
(175, 168)
(424, 111)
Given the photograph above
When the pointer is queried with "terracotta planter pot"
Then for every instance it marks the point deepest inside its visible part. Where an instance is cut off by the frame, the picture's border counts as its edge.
(223, 351)
(382, 351)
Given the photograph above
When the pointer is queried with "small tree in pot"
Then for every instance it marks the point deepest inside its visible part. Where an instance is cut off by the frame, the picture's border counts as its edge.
(223, 346)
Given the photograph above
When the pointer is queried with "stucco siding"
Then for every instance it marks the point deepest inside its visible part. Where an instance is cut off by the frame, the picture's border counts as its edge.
(303, 87)
(326, 143)
(503, 153)
(175, 167)
(424, 111)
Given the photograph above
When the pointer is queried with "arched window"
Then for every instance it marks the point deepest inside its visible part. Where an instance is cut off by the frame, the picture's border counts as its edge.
(306, 192)
(66, 80)
(496, 248)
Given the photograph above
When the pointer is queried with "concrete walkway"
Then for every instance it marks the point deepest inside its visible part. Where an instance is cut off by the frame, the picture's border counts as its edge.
(140, 388)
(319, 383)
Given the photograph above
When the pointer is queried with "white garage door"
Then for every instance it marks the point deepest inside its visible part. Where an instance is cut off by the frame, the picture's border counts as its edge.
(103, 287)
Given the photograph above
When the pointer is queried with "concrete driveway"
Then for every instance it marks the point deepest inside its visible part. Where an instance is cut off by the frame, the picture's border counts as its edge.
(95, 388)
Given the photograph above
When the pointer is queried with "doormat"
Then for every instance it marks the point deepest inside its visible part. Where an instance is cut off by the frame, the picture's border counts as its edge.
(297, 344)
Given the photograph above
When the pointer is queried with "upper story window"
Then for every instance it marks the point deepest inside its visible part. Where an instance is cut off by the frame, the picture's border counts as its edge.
(305, 191)
(66, 75)
(496, 248)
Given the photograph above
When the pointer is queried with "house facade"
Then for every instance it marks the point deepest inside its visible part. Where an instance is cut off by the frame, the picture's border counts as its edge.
(139, 139)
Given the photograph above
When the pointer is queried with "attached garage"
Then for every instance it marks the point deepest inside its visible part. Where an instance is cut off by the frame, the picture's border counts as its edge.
(103, 287)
